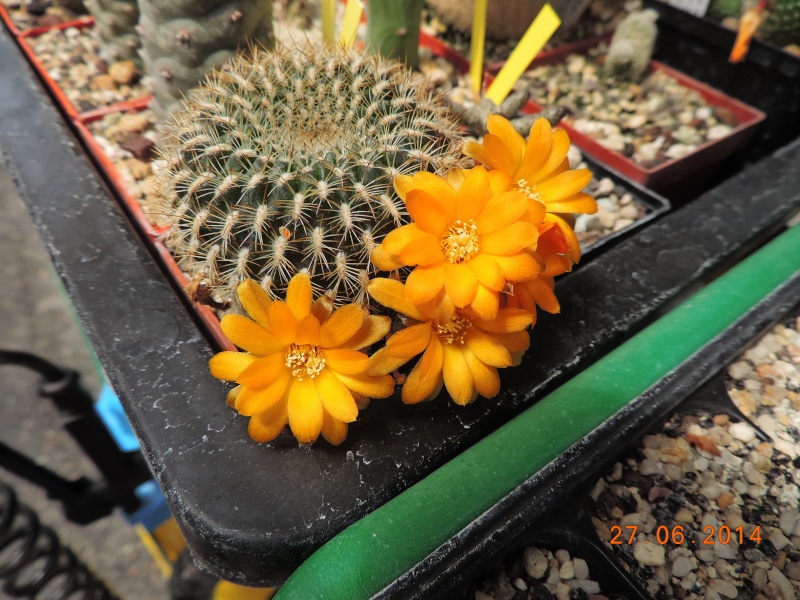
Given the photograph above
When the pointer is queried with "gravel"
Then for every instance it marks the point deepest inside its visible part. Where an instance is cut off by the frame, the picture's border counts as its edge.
(41, 14)
(537, 573)
(705, 472)
(651, 122)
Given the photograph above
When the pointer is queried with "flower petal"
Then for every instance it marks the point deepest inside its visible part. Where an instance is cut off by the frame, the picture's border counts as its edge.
(263, 371)
(426, 211)
(334, 432)
(344, 360)
(232, 395)
(460, 284)
(369, 385)
(506, 321)
(541, 290)
(438, 188)
(518, 267)
(487, 348)
(486, 303)
(426, 374)
(457, 376)
(392, 294)
(501, 211)
(265, 427)
(487, 272)
(229, 365)
(423, 283)
(499, 156)
(425, 250)
(475, 151)
(336, 398)
(537, 149)
(563, 186)
(282, 322)
(253, 401)
(573, 243)
(373, 329)
(308, 331)
(255, 301)
(504, 130)
(403, 183)
(304, 410)
(397, 239)
(410, 341)
(554, 160)
(516, 341)
(342, 325)
(485, 377)
(382, 363)
(298, 295)
(509, 240)
(473, 194)
(249, 335)
(322, 308)
(384, 260)
(577, 203)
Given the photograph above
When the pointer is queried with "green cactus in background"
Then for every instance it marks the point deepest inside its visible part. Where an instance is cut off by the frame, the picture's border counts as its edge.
(723, 9)
(115, 25)
(183, 40)
(284, 162)
(393, 29)
(782, 24)
(632, 46)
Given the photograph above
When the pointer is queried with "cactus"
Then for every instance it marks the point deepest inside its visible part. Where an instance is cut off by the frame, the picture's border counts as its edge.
(782, 25)
(393, 29)
(284, 162)
(115, 26)
(183, 40)
(723, 9)
(505, 19)
(632, 46)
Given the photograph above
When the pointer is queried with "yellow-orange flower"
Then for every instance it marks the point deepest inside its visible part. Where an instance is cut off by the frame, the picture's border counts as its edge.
(301, 363)
(531, 295)
(539, 168)
(465, 242)
(462, 353)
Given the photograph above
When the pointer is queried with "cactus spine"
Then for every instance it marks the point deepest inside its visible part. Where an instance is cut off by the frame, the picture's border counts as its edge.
(284, 162)
(393, 29)
(115, 25)
(183, 40)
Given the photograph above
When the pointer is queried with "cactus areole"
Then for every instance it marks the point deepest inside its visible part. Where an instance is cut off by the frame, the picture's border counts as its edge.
(284, 162)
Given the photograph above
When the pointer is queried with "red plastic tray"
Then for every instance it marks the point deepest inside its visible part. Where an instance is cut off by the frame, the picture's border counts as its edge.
(206, 315)
(672, 171)
(131, 205)
(5, 17)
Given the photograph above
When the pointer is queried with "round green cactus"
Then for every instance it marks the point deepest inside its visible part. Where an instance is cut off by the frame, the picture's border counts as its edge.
(284, 162)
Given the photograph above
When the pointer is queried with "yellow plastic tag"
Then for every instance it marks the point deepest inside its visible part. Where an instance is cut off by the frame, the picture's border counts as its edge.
(328, 15)
(477, 44)
(542, 28)
(352, 17)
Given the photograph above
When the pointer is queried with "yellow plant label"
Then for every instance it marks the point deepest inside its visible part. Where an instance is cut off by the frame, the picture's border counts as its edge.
(542, 28)
(328, 15)
(477, 44)
(352, 17)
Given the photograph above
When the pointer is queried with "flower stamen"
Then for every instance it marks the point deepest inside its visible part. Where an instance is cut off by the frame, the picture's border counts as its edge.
(453, 331)
(529, 190)
(460, 242)
(304, 360)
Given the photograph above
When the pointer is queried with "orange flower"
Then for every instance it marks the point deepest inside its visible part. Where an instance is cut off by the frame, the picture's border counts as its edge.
(301, 363)
(462, 353)
(530, 295)
(539, 168)
(465, 242)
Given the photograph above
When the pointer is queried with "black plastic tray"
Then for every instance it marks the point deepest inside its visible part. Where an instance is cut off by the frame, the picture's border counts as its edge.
(253, 512)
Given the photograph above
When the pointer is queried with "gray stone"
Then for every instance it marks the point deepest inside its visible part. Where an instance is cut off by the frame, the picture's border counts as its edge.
(580, 568)
(778, 578)
(535, 563)
(649, 554)
(682, 566)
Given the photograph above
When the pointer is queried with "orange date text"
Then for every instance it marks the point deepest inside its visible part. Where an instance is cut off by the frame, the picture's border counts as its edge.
(677, 535)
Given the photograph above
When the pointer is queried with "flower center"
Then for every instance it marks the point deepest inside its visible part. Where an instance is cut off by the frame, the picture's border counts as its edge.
(529, 190)
(453, 332)
(460, 242)
(304, 360)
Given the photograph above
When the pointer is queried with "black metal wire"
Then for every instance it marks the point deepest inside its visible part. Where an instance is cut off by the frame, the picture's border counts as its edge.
(34, 564)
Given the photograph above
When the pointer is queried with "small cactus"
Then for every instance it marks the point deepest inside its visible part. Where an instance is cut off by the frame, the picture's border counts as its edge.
(283, 162)
(632, 46)
(183, 40)
(115, 26)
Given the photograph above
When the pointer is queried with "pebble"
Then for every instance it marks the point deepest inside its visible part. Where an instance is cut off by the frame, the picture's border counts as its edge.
(779, 579)
(682, 566)
(650, 554)
(742, 432)
(535, 563)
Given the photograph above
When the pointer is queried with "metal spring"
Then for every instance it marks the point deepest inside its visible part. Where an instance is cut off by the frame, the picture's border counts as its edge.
(33, 561)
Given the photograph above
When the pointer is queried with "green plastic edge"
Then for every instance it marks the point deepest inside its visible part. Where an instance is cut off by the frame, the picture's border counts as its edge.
(374, 551)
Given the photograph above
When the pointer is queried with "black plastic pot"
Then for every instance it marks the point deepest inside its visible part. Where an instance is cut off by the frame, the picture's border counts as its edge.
(253, 512)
